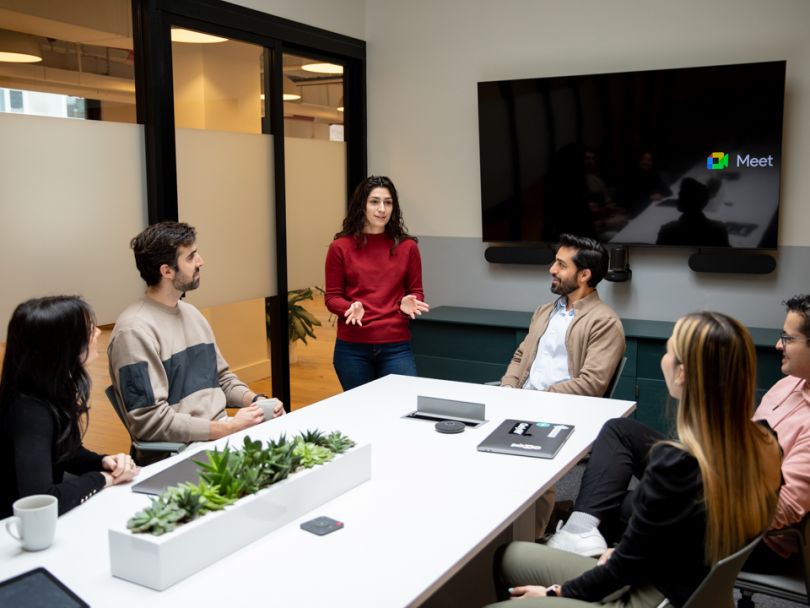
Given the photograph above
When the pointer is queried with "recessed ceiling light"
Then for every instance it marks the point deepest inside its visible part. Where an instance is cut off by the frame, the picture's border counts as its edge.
(16, 47)
(323, 68)
(183, 35)
(290, 92)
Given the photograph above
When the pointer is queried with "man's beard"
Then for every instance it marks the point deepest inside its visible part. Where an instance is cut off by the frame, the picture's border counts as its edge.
(563, 288)
(184, 286)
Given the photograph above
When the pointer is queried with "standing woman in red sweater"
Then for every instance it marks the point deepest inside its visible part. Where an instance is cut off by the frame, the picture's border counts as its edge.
(374, 286)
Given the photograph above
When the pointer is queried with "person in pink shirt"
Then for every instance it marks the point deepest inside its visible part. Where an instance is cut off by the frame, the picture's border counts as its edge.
(786, 408)
(374, 286)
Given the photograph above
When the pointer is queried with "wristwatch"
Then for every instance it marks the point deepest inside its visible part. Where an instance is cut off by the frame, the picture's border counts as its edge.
(258, 396)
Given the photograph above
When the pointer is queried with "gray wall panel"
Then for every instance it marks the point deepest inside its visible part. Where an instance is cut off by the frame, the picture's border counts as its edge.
(662, 287)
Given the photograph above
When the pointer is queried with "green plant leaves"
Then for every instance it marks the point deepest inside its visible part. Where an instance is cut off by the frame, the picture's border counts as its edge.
(300, 320)
(229, 474)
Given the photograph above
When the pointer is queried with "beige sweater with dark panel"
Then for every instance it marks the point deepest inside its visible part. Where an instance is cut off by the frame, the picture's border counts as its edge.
(168, 372)
(594, 342)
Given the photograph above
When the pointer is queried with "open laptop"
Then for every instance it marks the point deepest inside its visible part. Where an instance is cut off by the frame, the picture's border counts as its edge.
(527, 438)
(180, 472)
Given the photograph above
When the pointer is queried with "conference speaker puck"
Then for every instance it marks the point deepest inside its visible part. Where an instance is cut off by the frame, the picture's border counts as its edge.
(450, 426)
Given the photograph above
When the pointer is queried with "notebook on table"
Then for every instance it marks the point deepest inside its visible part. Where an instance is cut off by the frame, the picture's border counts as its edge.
(527, 438)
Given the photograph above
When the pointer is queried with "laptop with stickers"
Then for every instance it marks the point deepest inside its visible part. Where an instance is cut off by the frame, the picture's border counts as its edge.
(527, 438)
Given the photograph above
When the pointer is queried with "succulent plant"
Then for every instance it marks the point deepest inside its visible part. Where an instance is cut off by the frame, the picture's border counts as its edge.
(222, 471)
(311, 454)
(338, 442)
(281, 459)
(187, 498)
(159, 517)
(316, 437)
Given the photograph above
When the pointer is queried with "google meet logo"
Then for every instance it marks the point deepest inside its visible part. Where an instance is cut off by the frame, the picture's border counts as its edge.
(717, 161)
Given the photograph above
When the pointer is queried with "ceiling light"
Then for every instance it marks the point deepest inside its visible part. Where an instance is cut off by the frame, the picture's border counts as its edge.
(323, 68)
(182, 35)
(290, 90)
(16, 47)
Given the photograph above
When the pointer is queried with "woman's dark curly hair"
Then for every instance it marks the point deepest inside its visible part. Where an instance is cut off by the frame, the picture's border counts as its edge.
(355, 219)
(47, 343)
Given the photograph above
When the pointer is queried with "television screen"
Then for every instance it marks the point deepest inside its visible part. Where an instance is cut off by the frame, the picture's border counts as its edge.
(676, 157)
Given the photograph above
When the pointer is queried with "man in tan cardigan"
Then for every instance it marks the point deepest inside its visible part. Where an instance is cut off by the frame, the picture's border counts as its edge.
(575, 343)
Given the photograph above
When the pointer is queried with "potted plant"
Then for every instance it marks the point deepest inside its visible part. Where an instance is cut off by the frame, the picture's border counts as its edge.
(243, 495)
(300, 320)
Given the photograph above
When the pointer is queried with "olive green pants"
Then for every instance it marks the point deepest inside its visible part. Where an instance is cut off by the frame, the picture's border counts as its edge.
(532, 564)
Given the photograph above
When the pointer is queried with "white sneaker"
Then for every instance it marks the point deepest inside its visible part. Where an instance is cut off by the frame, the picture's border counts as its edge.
(590, 543)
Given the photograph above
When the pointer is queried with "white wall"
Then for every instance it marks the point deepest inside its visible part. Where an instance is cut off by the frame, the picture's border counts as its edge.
(423, 131)
(345, 17)
(72, 195)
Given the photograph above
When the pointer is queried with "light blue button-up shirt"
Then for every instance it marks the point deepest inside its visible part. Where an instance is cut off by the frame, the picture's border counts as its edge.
(550, 366)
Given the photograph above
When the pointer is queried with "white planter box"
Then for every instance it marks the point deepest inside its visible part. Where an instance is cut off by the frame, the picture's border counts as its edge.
(160, 561)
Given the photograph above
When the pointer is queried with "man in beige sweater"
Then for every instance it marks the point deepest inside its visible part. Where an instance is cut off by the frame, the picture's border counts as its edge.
(165, 366)
(575, 343)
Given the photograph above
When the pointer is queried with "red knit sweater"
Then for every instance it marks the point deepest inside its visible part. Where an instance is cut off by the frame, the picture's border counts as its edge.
(378, 279)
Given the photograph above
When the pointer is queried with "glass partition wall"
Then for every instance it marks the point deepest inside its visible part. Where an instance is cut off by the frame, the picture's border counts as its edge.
(225, 189)
(218, 156)
(315, 172)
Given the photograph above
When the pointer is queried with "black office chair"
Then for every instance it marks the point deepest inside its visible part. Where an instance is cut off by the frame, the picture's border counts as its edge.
(614, 379)
(717, 589)
(793, 584)
(143, 452)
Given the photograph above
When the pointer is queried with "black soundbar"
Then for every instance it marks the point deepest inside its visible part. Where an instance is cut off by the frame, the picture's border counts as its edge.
(736, 263)
(519, 255)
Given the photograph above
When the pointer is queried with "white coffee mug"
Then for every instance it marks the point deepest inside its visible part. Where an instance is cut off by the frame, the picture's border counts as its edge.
(34, 521)
(267, 406)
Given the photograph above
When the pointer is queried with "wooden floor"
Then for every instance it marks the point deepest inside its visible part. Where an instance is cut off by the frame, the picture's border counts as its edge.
(312, 379)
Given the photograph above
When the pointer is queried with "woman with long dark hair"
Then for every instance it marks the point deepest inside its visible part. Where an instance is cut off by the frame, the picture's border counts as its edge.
(702, 496)
(374, 286)
(44, 392)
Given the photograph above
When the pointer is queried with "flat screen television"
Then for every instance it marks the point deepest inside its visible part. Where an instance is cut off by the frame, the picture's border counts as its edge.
(676, 157)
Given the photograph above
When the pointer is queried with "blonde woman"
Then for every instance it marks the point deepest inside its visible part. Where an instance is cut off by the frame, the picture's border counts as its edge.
(701, 497)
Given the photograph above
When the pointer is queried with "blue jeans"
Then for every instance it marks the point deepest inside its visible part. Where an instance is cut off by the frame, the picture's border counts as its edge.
(357, 363)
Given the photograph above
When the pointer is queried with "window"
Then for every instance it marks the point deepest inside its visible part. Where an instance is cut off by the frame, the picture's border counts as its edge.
(70, 60)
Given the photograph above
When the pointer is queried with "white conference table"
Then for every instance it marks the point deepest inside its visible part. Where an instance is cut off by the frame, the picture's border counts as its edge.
(432, 503)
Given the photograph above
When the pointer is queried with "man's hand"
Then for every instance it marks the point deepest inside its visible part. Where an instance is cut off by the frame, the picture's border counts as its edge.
(413, 307)
(245, 417)
(278, 409)
(354, 314)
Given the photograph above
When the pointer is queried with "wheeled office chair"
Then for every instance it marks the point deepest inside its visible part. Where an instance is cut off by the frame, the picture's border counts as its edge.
(143, 452)
(790, 585)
